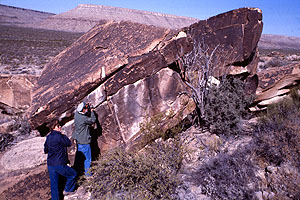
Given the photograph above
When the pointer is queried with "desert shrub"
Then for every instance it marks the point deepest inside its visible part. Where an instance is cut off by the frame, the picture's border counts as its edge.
(284, 182)
(5, 140)
(277, 134)
(227, 177)
(150, 174)
(277, 139)
(225, 106)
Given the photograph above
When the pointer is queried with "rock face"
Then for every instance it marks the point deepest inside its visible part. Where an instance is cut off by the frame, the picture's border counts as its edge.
(130, 71)
(26, 154)
(275, 83)
(15, 90)
(84, 17)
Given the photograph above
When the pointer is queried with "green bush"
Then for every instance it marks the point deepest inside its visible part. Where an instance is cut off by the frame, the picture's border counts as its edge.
(149, 174)
(277, 142)
(277, 134)
(225, 106)
(228, 176)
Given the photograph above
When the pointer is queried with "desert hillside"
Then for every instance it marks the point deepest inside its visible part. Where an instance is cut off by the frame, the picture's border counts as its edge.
(10, 15)
(84, 17)
(287, 43)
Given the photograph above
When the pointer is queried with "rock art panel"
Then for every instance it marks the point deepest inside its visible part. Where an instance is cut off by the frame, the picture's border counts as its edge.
(237, 33)
(15, 90)
(125, 68)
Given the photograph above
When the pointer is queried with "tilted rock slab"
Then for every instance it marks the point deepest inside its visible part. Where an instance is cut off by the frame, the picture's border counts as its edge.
(275, 84)
(130, 72)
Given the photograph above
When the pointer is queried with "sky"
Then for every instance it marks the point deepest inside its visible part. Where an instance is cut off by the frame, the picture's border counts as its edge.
(280, 17)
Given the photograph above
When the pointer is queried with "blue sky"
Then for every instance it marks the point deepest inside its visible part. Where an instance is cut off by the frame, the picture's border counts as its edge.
(281, 17)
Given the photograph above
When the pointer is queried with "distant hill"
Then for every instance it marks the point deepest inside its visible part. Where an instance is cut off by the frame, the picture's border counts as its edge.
(10, 15)
(268, 41)
(83, 17)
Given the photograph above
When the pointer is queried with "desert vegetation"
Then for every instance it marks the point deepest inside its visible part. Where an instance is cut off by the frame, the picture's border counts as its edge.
(271, 58)
(150, 174)
(27, 50)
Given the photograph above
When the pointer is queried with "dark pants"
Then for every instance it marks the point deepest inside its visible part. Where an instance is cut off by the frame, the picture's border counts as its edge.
(63, 170)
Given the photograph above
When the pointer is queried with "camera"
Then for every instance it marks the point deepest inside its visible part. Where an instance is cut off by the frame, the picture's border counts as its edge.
(89, 108)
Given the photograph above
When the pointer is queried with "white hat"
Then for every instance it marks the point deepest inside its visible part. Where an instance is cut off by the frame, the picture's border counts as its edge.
(80, 107)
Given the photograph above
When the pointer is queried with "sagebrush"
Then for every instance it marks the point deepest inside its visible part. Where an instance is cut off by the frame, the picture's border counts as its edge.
(226, 105)
(277, 142)
(150, 174)
(277, 134)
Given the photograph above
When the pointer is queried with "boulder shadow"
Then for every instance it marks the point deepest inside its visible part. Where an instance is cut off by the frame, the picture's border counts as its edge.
(96, 132)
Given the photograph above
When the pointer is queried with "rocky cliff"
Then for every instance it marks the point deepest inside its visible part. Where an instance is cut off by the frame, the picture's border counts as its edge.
(129, 71)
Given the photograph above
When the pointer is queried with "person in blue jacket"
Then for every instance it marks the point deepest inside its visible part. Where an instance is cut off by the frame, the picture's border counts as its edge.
(56, 147)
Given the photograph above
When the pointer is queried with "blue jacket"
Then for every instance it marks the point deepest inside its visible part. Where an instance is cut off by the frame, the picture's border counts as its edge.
(56, 146)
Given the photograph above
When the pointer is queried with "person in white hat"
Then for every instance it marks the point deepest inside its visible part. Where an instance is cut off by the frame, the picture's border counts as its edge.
(82, 136)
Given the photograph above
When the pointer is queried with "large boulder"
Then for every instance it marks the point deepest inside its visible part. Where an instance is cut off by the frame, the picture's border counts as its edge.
(23, 171)
(130, 72)
(26, 154)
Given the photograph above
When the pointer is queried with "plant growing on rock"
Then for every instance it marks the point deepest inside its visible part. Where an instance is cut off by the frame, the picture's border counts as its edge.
(161, 125)
(221, 100)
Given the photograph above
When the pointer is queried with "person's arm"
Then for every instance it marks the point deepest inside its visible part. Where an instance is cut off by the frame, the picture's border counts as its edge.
(90, 120)
(65, 141)
(46, 146)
